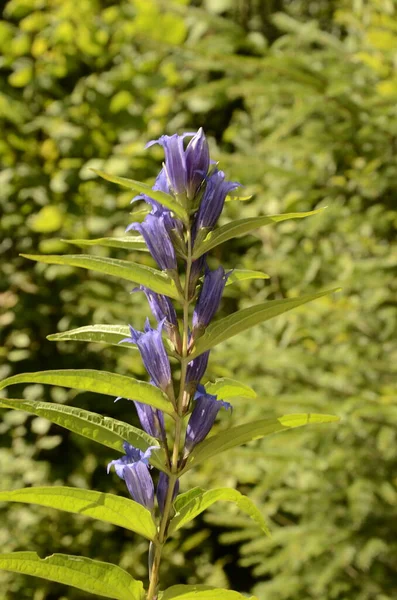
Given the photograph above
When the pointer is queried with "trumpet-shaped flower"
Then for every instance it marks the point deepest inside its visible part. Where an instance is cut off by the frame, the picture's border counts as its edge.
(185, 169)
(209, 299)
(162, 490)
(203, 417)
(155, 232)
(151, 419)
(133, 468)
(213, 199)
(161, 307)
(196, 368)
(151, 346)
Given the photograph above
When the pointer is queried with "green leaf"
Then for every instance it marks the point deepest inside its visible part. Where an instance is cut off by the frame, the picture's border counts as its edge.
(242, 226)
(236, 436)
(92, 576)
(242, 274)
(126, 242)
(104, 430)
(201, 592)
(99, 382)
(200, 502)
(102, 334)
(155, 280)
(243, 319)
(229, 388)
(97, 505)
(164, 199)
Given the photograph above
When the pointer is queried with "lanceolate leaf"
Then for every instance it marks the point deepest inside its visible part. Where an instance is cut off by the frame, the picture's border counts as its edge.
(100, 382)
(97, 505)
(201, 592)
(155, 280)
(102, 334)
(248, 317)
(200, 502)
(242, 274)
(229, 388)
(127, 243)
(241, 227)
(164, 199)
(236, 436)
(92, 576)
(104, 430)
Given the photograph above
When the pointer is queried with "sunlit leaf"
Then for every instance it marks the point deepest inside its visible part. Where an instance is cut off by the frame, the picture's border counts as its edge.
(229, 388)
(92, 576)
(102, 334)
(200, 502)
(104, 430)
(244, 319)
(164, 199)
(100, 382)
(117, 510)
(241, 227)
(236, 436)
(242, 274)
(126, 242)
(201, 592)
(155, 280)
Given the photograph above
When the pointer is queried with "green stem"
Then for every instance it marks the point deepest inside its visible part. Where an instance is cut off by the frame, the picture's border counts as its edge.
(173, 477)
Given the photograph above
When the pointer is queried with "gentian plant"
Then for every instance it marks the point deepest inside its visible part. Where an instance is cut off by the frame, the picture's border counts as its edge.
(176, 409)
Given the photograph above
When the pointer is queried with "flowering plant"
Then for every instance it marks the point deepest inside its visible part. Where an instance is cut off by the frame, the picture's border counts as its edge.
(175, 409)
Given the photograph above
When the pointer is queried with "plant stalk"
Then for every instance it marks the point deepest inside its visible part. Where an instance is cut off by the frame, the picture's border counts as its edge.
(173, 477)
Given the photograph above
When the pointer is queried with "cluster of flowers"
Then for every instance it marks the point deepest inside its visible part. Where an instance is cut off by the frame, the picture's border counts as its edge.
(191, 178)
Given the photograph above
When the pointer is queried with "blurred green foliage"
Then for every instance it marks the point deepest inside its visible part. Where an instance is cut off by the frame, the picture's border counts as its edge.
(298, 99)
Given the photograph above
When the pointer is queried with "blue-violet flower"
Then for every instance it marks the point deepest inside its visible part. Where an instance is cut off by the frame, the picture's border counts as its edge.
(203, 417)
(213, 199)
(162, 490)
(151, 346)
(156, 235)
(209, 299)
(133, 468)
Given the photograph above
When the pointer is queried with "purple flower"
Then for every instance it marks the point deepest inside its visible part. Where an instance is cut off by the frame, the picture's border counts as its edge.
(196, 368)
(152, 420)
(197, 162)
(185, 169)
(203, 417)
(159, 185)
(162, 490)
(161, 307)
(209, 299)
(213, 200)
(133, 468)
(163, 310)
(195, 273)
(154, 230)
(151, 346)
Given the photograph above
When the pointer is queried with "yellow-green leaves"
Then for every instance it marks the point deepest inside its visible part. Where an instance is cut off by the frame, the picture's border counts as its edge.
(229, 388)
(236, 436)
(242, 226)
(103, 430)
(243, 274)
(100, 382)
(91, 576)
(131, 242)
(152, 278)
(164, 199)
(190, 505)
(237, 322)
(201, 592)
(116, 510)
(102, 334)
